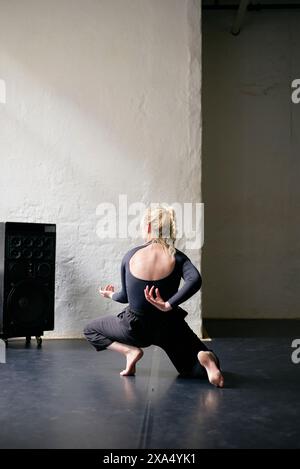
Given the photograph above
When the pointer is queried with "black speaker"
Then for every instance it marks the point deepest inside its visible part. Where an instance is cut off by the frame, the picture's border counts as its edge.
(27, 279)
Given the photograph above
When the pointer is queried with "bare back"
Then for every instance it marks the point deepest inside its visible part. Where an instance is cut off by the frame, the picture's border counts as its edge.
(151, 263)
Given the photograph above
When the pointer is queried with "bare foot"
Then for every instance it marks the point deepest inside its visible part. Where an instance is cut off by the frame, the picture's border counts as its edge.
(207, 359)
(133, 355)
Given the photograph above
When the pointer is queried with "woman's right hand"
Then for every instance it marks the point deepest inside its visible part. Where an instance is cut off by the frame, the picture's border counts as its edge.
(108, 291)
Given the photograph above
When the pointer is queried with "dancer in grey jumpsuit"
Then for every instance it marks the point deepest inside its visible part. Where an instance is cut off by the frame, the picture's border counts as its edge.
(141, 324)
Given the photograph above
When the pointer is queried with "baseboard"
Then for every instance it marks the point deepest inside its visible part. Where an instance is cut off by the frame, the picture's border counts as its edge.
(214, 328)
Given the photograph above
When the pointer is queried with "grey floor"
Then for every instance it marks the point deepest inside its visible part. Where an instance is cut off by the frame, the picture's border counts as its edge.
(66, 395)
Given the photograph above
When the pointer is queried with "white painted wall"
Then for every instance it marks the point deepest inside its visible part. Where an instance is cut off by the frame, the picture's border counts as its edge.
(251, 166)
(102, 99)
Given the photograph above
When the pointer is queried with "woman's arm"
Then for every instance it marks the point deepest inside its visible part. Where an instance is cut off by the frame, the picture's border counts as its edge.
(121, 296)
(192, 283)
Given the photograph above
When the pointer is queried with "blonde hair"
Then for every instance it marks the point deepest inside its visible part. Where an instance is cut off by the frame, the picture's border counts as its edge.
(163, 226)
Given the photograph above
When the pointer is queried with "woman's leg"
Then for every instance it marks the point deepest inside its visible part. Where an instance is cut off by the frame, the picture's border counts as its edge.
(132, 354)
(180, 343)
(114, 333)
(188, 353)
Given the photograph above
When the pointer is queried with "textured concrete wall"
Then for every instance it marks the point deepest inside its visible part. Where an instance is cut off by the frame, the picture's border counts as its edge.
(102, 99)
(251, 166)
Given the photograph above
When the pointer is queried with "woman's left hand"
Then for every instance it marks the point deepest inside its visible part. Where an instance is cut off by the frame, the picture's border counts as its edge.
(108, 291)
(158, 302)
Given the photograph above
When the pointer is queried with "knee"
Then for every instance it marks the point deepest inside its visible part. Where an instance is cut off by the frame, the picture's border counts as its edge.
(93, 327)
(87, 330)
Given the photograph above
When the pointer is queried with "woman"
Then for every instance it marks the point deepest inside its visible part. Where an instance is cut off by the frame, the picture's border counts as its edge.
(150, 275)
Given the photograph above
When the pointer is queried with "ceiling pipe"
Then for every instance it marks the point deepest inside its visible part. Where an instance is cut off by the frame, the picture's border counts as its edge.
(239, 19)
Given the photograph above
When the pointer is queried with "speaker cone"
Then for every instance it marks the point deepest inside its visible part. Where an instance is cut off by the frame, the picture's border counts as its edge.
(28, 302)
(44, 270)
